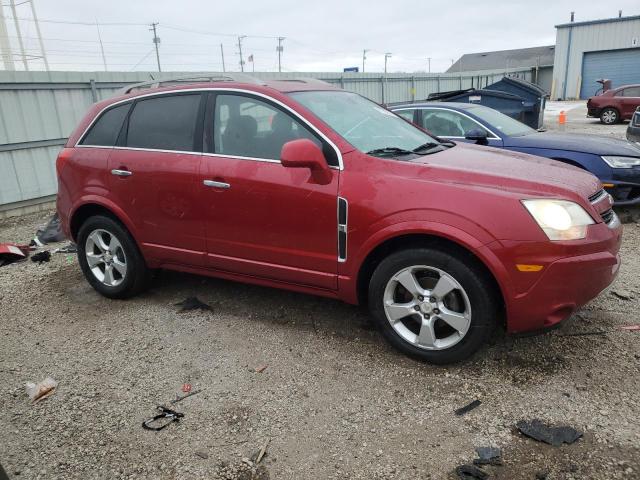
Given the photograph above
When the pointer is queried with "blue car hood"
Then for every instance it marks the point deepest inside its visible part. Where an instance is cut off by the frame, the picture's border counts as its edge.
(575, 142)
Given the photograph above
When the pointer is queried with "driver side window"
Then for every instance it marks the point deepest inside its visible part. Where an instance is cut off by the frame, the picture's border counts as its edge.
(447, 123)
(248, 127)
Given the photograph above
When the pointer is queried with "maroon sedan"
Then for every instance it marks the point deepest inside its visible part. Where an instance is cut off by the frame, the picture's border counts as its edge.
(302, 186)
(615, 105)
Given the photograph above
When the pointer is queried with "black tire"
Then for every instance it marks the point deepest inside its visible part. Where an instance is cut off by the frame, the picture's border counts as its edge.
(137, 274)
(480, 290)
(609, 116)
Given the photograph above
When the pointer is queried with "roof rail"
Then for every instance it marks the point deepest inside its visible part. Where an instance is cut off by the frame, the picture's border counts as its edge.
(215, 77)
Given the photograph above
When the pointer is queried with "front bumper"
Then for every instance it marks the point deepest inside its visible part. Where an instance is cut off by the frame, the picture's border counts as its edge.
(625, 188)
(593, 112)
(573, 273)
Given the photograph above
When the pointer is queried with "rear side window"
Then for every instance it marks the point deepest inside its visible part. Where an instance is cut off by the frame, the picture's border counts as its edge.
(164, 123)
(105, 130)
(632, 92)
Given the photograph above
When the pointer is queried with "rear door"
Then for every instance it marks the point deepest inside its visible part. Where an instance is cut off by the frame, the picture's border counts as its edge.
(155, 172)
(453, 125)
(263, 219)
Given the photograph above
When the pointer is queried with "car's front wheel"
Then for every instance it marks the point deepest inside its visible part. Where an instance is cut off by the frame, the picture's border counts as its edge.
(433, 305)
(609, 116)
(110, 259)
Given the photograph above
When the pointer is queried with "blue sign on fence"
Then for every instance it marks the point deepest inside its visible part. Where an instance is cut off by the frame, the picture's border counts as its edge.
(351, 69)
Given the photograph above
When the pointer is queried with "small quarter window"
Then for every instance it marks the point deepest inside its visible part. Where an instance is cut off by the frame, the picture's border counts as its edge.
(104, 131)
(164, 123)
(406, 114)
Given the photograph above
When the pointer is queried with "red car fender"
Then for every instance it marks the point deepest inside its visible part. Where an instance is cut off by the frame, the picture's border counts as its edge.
(348, 280)
(107, 204)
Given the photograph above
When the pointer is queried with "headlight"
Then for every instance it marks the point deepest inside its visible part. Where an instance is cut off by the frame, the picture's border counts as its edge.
(621, 162)
(559, 219)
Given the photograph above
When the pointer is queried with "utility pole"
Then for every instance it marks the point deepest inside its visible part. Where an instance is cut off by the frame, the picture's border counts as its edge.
(280, 49)
(156, 42)
(35, 20)
(364, 57)
(5, 45)
(386, 57)
(240, 38)
(19, 35)
(104, 59)
(222, 55)
(429, 60)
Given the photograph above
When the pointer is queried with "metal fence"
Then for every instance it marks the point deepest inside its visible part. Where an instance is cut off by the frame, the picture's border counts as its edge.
(38, 110)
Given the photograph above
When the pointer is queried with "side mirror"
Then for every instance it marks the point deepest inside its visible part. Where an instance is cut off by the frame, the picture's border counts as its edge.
(303, 153)
(478, 135)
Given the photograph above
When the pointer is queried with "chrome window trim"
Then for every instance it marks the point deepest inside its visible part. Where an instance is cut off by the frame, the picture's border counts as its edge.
(493, 137)
(340, 165)
(239, 157)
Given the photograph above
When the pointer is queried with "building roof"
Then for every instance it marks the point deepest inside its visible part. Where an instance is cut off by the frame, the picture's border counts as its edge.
(602, 20)
(518, 58)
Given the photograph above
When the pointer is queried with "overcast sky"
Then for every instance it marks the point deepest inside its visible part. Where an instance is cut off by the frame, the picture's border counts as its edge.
(325, 35)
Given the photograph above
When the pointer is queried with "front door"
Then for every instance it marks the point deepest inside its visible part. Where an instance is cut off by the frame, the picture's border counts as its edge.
(155, 175)
(263, 219)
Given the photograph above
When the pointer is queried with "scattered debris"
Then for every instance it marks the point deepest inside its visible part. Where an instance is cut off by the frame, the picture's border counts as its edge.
(467, 408)
(48, 233)
(202, 454)
(631, 328)
(622, 294)
(42, 390)
(261, 368)
(555, 436)
(192, 303)
(186, 387)
(165, 413)
(40, 257)
(470, 472)
(10, 252)
(488, 456)
(259, 454)
(179, 399)
(69, 248)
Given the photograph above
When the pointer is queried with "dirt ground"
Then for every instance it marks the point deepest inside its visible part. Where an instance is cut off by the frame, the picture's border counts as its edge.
(334, 402)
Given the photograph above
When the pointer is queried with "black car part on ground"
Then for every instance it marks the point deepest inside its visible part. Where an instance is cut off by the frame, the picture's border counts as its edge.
(542, 432)
(166, 414)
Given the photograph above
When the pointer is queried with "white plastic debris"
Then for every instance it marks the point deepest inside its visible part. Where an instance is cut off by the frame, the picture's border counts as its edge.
(42, 390)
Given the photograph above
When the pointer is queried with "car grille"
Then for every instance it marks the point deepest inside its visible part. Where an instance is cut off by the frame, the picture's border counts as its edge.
(596, 196)
(607, 216)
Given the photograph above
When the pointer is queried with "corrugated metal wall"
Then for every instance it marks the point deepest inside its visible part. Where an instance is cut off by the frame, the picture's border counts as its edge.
(588, 37)
(38, 110)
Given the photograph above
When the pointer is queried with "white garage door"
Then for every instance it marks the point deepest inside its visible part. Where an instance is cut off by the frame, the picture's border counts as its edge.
(622, 67)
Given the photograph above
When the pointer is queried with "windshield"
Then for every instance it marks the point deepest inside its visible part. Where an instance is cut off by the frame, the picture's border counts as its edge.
(501, 122)
(364, 124)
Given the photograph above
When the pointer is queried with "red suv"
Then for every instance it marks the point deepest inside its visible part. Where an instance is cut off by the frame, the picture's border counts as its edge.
(614, 105)
(303, 186)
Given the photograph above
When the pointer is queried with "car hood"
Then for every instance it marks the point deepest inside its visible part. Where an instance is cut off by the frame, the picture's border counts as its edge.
(576, 142)
(513, 171)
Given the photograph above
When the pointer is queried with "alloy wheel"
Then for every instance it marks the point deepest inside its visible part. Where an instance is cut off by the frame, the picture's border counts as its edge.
(609, 117)
(427, 307)
(106, 258)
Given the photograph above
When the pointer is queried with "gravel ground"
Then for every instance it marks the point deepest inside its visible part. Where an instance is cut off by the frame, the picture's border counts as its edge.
(334, 401)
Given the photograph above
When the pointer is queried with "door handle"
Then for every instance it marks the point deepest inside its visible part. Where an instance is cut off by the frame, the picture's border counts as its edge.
(121, 173)
(214, 184)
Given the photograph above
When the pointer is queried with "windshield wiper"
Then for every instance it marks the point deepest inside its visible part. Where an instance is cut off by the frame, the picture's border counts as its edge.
(390, 151)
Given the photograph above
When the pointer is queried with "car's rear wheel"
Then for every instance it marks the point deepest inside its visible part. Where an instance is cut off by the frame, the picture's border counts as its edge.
(609, 116)
(433, 305)
(110, 259)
